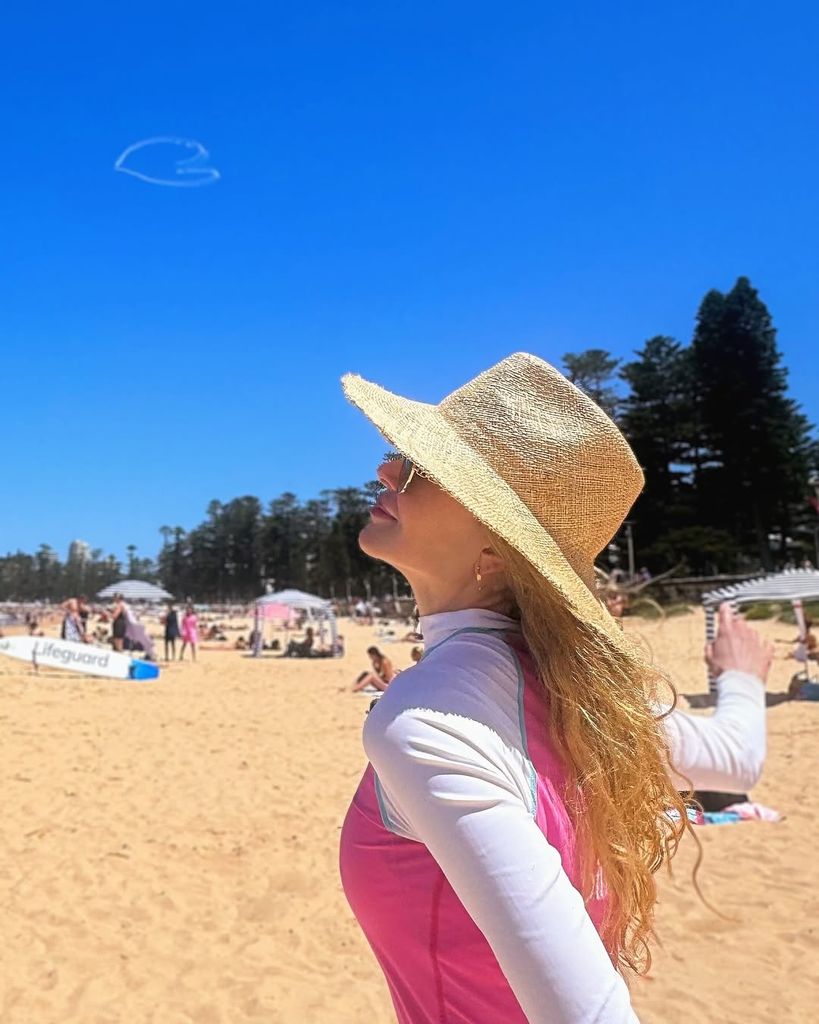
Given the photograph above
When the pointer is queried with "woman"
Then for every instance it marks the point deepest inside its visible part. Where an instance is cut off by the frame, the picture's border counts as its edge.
(190, 632)
(500, 849)
(382, 674)
(73, 627)
(119, 622)
(172, 632)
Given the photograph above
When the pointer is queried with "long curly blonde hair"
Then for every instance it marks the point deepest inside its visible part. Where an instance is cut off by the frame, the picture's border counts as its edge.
(615, 753)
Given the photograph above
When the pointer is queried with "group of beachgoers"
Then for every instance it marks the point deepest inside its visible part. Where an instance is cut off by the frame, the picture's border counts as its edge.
(188, 632)
(126, 631)
(119, 626)
(308, 648)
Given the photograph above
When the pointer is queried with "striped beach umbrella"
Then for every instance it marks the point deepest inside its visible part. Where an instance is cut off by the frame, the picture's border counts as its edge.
(135, 590)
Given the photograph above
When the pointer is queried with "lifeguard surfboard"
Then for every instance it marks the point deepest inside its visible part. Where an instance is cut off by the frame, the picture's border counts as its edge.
(85, 658)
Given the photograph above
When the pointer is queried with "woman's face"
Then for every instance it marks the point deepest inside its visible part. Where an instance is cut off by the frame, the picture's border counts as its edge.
(424, 533)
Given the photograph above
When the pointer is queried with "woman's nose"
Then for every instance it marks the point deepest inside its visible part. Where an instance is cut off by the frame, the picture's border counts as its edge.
(388, 473)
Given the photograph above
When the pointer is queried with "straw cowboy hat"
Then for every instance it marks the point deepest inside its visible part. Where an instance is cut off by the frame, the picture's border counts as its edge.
(532, 458)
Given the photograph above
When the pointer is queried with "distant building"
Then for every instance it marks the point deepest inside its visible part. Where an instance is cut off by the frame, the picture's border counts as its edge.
(79, 552)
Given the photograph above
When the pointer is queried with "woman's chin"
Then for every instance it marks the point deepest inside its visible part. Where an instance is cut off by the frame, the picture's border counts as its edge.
(377, 537)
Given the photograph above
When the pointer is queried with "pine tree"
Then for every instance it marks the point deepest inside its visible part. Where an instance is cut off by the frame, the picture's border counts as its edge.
(656, 417)
(755, 438)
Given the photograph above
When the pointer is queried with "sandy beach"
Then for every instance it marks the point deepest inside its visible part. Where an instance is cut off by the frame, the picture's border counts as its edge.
(168, 851)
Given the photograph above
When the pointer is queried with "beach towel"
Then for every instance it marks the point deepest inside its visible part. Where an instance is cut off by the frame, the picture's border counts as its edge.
(750, 811)
(744, 811)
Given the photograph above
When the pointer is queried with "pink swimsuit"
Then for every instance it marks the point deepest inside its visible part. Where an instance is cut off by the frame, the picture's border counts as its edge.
(190, 632)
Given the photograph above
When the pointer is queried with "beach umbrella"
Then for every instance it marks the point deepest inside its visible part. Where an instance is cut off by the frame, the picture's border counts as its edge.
(135, 590)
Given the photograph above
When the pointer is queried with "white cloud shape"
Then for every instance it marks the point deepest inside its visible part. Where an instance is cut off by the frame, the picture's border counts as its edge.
(152, 160)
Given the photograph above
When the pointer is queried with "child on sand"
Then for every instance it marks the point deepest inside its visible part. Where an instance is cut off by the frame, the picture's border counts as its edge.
(190, 632)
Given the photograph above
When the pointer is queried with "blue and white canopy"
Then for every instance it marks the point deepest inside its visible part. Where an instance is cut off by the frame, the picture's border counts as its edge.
(296, 599)
(135, 590)
(317, 608)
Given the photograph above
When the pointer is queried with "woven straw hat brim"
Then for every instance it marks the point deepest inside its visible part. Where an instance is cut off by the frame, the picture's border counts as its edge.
(419, 431)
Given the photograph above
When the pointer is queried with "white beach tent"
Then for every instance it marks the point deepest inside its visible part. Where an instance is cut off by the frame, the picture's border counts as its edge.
(794, 585)
(135, 590)
(318, 610)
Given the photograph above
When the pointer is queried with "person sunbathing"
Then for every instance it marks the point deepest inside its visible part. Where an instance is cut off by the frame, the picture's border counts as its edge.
(301, 649)
(382, 674)
(803, 689)
(332, 650)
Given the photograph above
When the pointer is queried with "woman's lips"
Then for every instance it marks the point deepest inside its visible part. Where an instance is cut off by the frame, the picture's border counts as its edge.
(379, 512)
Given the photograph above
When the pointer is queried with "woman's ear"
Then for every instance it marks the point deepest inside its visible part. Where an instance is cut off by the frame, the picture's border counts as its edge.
(491, 562)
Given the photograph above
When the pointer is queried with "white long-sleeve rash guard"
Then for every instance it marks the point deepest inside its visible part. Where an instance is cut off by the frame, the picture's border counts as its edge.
(449, 749)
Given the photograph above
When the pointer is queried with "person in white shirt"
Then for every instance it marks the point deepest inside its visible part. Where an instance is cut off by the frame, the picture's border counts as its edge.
(523, 779)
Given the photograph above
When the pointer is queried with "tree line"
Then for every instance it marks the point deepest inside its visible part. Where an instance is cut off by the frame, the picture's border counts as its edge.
(728, 458)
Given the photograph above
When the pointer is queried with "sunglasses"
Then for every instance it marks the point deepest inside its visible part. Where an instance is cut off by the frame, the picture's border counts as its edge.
(407, 472)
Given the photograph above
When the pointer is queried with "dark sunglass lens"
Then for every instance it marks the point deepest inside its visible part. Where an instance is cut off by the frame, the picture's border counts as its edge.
(404, 475)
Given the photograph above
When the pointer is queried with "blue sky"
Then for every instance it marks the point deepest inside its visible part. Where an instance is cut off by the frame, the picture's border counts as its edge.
(407, 190)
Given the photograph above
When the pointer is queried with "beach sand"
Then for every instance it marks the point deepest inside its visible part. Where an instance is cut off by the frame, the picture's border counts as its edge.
(168, 851)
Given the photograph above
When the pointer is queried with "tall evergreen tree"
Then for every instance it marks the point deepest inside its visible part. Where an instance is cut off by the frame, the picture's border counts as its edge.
(756, 439)
(656, 417)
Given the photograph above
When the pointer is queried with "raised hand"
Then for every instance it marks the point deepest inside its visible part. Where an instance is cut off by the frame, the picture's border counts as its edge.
(738, 646)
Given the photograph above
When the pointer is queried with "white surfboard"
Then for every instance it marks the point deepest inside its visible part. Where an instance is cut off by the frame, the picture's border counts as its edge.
(85, 658)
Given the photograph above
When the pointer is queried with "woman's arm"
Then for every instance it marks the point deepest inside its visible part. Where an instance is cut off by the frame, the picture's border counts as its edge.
(726, 751)
(464, 794)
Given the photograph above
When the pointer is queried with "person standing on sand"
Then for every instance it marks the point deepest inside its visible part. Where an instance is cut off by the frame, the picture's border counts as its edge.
(72, 627)
(190, 632)
(522, 789)
(84, 612)
(172, 631)
(119, 622)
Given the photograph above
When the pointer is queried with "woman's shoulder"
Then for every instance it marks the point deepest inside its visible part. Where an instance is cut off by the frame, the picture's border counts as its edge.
(463, 683)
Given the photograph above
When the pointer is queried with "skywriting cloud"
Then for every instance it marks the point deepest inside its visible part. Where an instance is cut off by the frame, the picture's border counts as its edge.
(160, 161)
